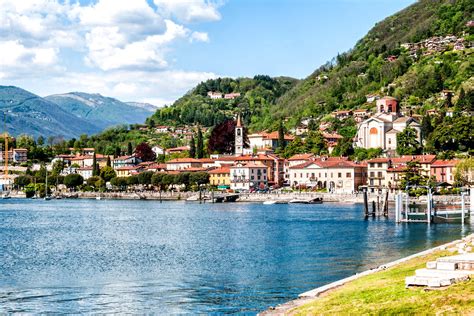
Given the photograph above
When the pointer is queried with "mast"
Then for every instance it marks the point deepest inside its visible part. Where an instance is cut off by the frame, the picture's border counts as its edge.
(6, 144)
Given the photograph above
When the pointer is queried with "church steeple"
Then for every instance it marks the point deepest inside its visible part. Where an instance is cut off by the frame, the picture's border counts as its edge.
(239, 137)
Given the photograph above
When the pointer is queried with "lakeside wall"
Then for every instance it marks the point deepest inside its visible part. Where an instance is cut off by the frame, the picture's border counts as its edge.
(250, 197)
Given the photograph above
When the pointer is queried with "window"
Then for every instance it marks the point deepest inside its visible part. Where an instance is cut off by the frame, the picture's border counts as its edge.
(379, 174)
(372, 174)
(258, 178)
(389, 141)
(252, 177)
(372, 165)
(339, 175)
(380, 165)
(239, 132)
(373, 131)
(348, 175)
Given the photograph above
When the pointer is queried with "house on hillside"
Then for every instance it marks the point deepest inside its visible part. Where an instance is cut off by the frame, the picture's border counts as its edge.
(380, 130)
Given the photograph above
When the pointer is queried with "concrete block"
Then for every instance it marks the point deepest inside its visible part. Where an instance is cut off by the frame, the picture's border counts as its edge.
(443, 265)
(431, 265)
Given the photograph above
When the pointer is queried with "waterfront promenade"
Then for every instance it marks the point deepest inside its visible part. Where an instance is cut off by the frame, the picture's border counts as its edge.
(247, 197)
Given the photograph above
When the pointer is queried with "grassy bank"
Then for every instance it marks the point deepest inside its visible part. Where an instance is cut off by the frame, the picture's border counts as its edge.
(384, 293)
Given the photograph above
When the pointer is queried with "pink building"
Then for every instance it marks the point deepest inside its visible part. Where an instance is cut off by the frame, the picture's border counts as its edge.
(444, 170)
(387, 105)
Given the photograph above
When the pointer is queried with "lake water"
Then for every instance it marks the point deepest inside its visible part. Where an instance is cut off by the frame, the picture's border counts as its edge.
(93, 256)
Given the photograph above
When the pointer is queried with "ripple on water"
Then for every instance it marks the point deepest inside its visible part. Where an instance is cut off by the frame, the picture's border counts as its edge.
(87, 256)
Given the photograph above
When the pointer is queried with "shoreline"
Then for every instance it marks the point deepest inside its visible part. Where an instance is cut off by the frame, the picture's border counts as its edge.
(314, 294)
(244, 197)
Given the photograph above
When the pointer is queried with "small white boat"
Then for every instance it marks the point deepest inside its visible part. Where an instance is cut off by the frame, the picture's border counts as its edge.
(317, 200)
(271, 202)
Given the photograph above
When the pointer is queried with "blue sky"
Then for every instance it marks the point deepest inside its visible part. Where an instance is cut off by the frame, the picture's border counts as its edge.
(156, 50)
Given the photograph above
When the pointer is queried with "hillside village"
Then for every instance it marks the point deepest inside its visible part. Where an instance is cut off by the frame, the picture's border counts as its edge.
(257, 166)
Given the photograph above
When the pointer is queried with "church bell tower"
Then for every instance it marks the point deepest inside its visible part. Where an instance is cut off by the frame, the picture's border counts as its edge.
(239, 137)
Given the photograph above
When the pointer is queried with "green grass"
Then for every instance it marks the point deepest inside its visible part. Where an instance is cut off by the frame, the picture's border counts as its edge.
(384, 293)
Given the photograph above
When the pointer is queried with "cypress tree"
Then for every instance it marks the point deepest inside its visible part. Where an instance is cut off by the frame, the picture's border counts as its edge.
(281, 137)
(200, 145)
(109, 163)
(129, 149)
(94, 165)
(192, 148)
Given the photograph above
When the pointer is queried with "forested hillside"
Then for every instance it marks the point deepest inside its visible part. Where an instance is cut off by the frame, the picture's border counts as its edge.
(380, 64)
(258, 96)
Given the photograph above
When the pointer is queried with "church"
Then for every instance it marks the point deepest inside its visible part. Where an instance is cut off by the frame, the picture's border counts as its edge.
(380, 130)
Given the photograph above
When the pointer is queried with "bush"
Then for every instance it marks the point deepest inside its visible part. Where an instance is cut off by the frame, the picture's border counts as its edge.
(73, 180)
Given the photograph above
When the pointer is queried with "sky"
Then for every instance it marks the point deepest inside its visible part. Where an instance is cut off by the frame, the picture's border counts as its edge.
(156, 50)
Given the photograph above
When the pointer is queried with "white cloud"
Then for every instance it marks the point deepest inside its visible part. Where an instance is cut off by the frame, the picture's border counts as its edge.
(158, 88)
(120, 48)
(199, 37)
(188, 11)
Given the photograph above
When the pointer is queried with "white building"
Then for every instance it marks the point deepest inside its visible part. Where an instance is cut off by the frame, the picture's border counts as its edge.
(335, 175)
(183, 163)
(245, 176)
(158, 150)
(380, 130)
(266, 140)
(85, 172)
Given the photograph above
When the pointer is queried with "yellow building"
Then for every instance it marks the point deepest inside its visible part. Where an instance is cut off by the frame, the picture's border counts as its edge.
(126, 171)
(220, 177)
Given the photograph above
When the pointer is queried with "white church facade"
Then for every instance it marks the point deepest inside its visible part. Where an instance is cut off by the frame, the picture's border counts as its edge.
(380, 130)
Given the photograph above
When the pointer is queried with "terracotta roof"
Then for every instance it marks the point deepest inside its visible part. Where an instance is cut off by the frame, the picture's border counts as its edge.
(301, 157)
(378, 160)
(183, 160)
(127, 168)
(220, 170)
(156, 166)
(334, 135)
(445, 163)
(249, 165)
(402, 119)
(272, 135)
(123, 157)
(226, 158)
(393, 131)
(206, 160)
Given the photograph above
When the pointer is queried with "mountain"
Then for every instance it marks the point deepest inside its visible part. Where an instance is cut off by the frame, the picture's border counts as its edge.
(101, 111)
(33, 115)
(146, 106)
(378, 64)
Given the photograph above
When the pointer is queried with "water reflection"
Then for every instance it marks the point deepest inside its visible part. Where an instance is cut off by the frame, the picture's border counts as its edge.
(142, 256)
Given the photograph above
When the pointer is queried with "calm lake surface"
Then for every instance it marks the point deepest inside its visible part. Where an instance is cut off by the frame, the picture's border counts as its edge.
(89, 256)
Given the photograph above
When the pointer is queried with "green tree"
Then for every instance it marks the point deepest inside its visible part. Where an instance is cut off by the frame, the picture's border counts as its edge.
(40, 140)
(129, 149)
(132, 180)
(145, 177)
(426, 127)
(22, 181)
(73, 180)
(344, 148)
(107, 173)
(200, 144)
(281, 137)
(295, 147)
(315, 143)
(412, 175)
(92, 180)
(119, 182)
(407, 143)
(95, 166)
(109, 163)
(192, 147)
